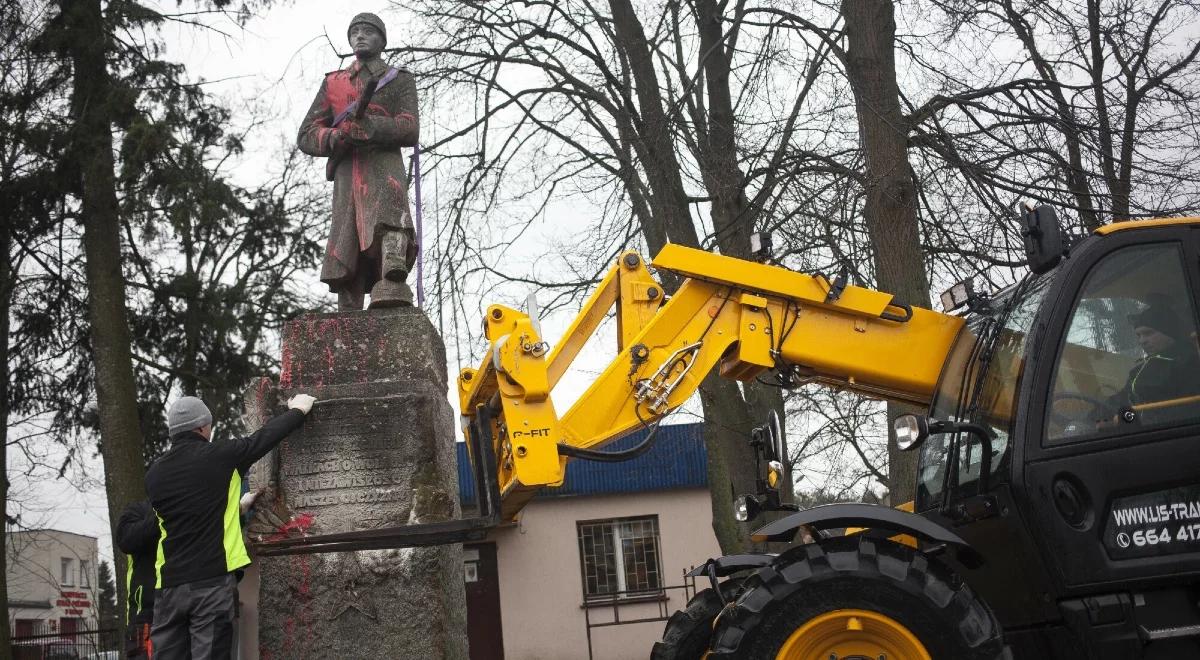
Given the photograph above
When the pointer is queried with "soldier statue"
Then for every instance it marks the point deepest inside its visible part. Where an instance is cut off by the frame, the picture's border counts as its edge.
(360, 120)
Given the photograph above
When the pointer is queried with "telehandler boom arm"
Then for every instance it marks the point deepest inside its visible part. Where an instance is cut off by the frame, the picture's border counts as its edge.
(746, 317)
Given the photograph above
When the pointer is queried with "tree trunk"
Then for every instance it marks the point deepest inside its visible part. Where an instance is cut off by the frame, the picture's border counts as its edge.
(670, 221)
(733, 222)
(727, 417)
(120, 439)
(6, 290)
(891, 195)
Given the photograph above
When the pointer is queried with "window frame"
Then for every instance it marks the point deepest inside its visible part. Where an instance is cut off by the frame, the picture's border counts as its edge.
(1061, 300)
(1035, 292)
(84, 575)
(25, 627)
(622, 593)
(67, 567)
(1070, 302)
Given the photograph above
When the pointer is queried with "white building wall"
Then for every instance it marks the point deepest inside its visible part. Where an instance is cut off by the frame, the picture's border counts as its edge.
(35, 576)
(541, 589)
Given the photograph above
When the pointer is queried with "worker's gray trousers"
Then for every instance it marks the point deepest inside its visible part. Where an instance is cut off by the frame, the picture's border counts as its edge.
(195, 620)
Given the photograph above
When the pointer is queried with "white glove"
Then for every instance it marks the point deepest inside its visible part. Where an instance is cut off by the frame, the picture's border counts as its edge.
(302, 402)
(247, 500)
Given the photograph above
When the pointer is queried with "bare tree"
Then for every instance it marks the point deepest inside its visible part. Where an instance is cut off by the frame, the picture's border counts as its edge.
(1103, 131)
(676, 119)
(890, 209)
(836, 454)
(118, 86)
(697, 122)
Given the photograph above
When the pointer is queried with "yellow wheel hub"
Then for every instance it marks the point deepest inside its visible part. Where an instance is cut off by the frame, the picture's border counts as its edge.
(858, 634)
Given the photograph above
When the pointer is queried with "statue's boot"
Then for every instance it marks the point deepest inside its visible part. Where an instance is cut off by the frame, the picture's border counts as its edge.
(350, 300)
(353, 292)
(396, 272)
(394, 251)
(387, 293)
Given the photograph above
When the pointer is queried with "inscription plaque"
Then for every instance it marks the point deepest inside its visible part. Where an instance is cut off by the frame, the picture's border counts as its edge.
(377, 451)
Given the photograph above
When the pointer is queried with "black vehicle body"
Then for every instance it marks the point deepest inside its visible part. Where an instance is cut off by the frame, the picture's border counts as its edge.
(1052, 557)
(1050, 572)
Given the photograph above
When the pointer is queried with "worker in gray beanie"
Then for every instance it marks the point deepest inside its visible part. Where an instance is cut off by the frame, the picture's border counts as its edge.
(186, 414)
(195, 489)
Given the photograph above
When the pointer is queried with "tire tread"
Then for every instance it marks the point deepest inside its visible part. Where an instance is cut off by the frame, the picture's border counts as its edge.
(904, 569)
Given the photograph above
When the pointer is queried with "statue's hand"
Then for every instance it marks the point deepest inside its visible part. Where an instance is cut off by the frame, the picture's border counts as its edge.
(358, 131)
(338, 142)
(355, 131)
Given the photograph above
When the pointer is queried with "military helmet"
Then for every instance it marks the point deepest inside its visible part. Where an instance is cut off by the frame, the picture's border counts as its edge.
(370, 19)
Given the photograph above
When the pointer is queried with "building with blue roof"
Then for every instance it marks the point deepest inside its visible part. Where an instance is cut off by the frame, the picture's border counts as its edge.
(678, 459)
(610, 545)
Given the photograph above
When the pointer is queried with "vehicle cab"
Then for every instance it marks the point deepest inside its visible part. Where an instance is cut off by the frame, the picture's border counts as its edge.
(1084, 379)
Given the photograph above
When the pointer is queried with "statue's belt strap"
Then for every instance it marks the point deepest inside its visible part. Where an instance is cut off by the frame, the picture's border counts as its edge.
(349, 110)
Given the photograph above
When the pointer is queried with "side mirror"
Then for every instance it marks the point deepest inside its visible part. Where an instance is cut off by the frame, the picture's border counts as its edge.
(913, 430)
(746, 508)
(771, 450)
(1043, 238)
(767, 441)
(761, 246)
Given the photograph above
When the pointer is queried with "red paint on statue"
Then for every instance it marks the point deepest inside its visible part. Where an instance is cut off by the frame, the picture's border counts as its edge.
(358, 184)
(264, 390)
(365, 204)
(298, 628)
(289, 636)
(285, 372)
(305, 594)
(339, 93)
(299, 523)
(305, 589)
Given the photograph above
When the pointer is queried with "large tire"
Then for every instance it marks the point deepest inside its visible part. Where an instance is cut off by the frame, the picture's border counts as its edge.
(811, 583)
(689, 630)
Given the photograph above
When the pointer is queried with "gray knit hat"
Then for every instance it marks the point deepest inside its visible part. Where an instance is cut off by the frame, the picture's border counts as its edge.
(187, 414)
(370, 19)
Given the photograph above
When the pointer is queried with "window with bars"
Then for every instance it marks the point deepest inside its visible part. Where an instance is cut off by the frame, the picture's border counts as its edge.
(620, 557)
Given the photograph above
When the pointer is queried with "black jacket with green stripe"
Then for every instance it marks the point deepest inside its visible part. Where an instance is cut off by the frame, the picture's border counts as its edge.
(195, 488)
(137, 537)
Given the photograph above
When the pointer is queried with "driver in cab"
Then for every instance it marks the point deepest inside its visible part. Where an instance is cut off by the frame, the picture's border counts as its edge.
(1169, 372)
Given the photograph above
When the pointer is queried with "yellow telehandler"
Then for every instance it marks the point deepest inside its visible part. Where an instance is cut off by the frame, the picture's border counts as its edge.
(1057, 508)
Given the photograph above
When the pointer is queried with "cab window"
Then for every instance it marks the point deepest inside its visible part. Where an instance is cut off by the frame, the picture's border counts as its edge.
(998, 349)
(1129, 359)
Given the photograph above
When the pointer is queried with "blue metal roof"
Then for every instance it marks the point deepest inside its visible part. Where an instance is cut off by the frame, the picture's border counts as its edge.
(678, 459)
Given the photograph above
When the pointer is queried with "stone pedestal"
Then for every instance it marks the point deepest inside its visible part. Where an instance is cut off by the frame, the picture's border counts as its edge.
(377, 451)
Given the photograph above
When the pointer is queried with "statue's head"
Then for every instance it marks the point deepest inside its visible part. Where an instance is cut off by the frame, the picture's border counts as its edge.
(367, 35)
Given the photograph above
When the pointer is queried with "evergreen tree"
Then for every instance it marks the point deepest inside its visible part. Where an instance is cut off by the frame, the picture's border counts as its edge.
(110, 617)
(30, 146)
(166, 276)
